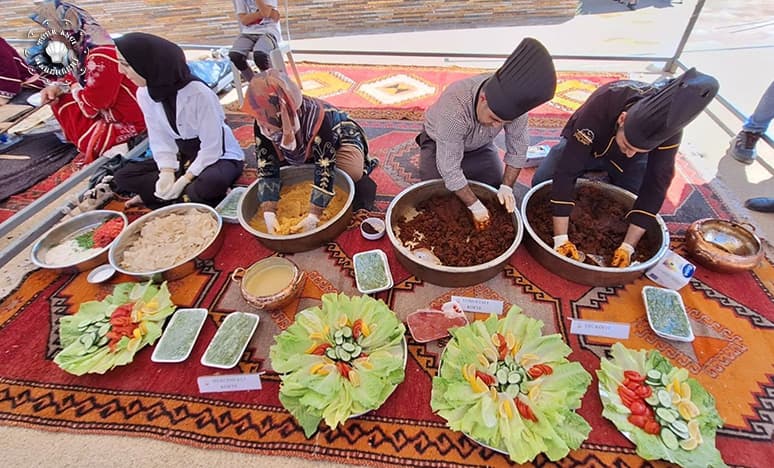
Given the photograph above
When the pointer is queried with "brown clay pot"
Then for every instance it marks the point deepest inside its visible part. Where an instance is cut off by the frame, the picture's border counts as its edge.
(723, 246)
(273, 301)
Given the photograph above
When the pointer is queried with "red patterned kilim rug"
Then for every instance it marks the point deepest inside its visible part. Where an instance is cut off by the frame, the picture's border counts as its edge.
(731, 314)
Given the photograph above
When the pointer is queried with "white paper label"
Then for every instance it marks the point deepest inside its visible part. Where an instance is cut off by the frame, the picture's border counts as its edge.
(483, 306)
(229, 383)
(604, 329)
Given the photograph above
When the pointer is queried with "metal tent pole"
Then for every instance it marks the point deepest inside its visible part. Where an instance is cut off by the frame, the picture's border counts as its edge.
(671, 65)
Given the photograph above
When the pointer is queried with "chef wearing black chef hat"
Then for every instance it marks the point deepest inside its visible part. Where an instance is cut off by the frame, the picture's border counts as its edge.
(456, 143)
(632, 130)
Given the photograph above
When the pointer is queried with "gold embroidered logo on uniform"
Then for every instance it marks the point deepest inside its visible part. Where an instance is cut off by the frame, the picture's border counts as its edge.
(584, 136)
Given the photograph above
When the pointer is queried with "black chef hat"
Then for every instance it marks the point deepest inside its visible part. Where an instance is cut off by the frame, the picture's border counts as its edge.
(526, 80)
(652, 120)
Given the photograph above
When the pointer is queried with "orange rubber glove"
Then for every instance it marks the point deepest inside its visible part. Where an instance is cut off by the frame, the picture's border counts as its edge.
(565, 248)
(622, 257)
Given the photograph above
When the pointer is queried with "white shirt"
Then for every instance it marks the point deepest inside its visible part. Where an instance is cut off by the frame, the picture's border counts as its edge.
(199, 114)
(265, 26)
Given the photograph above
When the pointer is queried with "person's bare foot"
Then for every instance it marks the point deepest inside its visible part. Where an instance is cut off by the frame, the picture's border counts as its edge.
(134, 201)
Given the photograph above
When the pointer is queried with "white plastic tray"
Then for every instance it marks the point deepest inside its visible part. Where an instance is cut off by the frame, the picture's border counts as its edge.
(383, 257)
(222, 337)
(237, 193)
(174, 328)
(679, 312)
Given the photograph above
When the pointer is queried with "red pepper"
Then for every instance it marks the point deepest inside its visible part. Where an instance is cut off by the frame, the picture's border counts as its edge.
(535, 372)
(357, 328)
(524, 410)
(344, 368)
(547, 370)
(486, 378)
(320, 349)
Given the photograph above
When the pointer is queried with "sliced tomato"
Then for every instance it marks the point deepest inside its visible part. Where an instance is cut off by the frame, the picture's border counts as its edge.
(634, 376)
(486, 378)
(652, 427)
(644, 391)
(632, 385)
(320, 349)
(639, 408)
(630, 394)
(637, 420)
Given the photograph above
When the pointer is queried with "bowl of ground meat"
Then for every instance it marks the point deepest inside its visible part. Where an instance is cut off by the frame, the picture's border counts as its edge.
(433, 235)
(597, 228)
(293, 206)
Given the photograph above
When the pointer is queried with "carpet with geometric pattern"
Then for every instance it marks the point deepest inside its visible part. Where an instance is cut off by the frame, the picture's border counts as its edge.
(732, 316)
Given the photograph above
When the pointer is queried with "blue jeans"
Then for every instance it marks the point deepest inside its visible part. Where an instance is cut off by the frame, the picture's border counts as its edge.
(759, 121)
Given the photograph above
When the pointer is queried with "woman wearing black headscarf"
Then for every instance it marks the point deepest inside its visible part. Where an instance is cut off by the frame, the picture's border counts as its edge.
(195, 154)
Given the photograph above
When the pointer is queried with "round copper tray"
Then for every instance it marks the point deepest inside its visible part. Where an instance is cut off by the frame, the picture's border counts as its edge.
(723, 246)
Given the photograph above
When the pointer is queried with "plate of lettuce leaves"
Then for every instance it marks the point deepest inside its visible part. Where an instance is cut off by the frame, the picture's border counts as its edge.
(339, 360)
(108, 333)
(664, 412)
(510, 388)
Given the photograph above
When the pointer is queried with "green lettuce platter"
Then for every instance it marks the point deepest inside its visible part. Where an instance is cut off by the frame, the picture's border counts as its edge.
(512, 389)
(339, 360)
(657, 406)
(107, 333)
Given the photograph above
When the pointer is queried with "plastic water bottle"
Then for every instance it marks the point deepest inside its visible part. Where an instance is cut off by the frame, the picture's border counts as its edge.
(9, 139)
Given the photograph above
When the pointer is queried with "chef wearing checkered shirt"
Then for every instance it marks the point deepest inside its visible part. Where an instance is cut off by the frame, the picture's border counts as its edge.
(457, 141)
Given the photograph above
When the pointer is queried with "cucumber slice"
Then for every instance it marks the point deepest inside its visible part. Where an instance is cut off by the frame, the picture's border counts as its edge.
(83, 326)
(502, 376)
(346, 332)
(514, 378)
(338, 339)
(348, 347)
(331, 353)
(87, 340)
(680, 428)
(652, 400)
(103, 341)
(653, 383)
(345, 356)
(653, 374)
(104, 329)
(664, 398)
(665, 414)
(513, 389)
(669, 438)
(665, 380)
(356, 352)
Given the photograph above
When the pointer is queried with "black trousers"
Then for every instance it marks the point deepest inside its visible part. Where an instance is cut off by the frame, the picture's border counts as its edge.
(482, 165)
(209, 188)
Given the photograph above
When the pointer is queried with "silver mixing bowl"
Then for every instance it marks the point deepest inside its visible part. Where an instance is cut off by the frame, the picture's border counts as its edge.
(325, 232)
(583, 273)
(184, 267)
(405, 202)
(79, 224)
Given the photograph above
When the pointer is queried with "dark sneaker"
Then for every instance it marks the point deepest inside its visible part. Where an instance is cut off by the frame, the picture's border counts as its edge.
(743, 146)
(762, 204)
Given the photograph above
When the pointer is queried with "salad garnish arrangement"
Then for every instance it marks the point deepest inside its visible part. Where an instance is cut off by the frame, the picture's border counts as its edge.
(341, 359)
(667, 414)
(505, 385)
(107, 333)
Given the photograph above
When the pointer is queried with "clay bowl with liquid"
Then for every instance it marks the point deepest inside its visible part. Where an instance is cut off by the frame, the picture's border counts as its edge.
(271, 283)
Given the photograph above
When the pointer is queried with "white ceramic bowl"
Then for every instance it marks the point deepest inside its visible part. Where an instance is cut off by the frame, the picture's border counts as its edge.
(377, 225)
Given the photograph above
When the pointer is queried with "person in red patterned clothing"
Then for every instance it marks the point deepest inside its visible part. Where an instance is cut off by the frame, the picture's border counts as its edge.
(94, 103)
(15, 74)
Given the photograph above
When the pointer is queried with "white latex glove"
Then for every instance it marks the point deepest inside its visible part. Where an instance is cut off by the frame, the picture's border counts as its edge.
(506, 198)
(177, 188)
(165, 182)
(480, 215)
(306, 224)
(272, 224)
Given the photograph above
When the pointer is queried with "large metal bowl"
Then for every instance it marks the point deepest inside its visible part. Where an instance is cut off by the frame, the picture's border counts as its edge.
(182, 268)
(289, 175)
(406, 201)
(70, 228)
(583, 273)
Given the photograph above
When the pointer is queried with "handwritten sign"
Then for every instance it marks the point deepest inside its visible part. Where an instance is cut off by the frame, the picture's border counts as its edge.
(604, 329)
(229, 383)
(482, 306)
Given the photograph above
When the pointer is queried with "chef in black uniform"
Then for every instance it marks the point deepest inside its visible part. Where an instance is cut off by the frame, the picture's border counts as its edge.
(632, 130)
